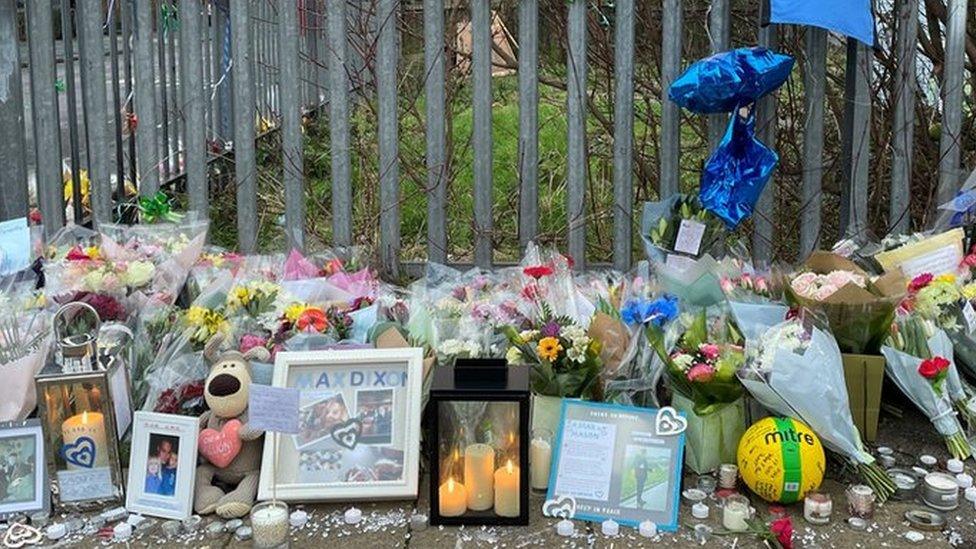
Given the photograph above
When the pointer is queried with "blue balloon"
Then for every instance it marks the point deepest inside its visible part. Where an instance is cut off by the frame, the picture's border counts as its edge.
(727, 80)
(737, 172)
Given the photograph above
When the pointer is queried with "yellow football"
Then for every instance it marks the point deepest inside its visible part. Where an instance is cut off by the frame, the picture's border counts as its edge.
(781, 459)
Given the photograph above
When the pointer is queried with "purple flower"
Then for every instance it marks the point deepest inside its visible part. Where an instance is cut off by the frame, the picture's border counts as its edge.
(550, 329)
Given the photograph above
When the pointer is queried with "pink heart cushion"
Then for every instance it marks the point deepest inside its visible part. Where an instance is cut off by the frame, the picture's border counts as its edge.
(221, 447)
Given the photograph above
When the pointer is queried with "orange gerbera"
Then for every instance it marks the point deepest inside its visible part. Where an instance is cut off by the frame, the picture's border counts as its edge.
(312, 319)
(549, 348)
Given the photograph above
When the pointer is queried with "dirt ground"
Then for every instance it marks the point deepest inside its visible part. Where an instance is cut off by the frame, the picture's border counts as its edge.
(387, 524)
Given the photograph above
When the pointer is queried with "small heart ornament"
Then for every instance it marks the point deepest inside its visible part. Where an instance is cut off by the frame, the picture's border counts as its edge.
(563, 507)
(221, 447)
(19, 535)
(81, 452)
(669, 423)
(346, 434)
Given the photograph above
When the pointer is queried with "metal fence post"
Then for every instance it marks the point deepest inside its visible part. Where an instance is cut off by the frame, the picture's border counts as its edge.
(436, 130)
(950, 143)
(576, 164)
(481, 130)
(339, 124)
(672, 27)
(147, 153)
(528, 77)
(623, 134)
(814, 85)
(245, 166)
(13, 160)
(291, 125)
(719, 34)
(903, 126)
(387, 61)
(856, 147)
(93, 89)
(195, 144)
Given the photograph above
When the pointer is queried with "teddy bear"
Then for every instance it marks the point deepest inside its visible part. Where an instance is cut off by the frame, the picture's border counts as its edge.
(230, 449)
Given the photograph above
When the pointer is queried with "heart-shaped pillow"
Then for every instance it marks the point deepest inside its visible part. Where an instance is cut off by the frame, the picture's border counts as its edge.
(221, 447)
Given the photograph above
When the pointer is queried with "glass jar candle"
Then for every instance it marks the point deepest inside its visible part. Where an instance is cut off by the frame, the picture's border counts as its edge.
(817, 507)
(860, 501)
(735, 513)
(269, 524)
(540, 459)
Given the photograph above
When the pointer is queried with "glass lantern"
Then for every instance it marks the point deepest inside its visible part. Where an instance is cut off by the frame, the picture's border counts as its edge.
(85, 408)
(478, 443)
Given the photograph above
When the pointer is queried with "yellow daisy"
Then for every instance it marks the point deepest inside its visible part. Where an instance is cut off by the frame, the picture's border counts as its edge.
(549, 348)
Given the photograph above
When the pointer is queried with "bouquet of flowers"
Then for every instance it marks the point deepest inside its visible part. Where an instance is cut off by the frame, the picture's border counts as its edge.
(919, 361)
(546, 279)
(795, 369)
(702, 353)
(25, 338)
(934, 298)
(858, 309)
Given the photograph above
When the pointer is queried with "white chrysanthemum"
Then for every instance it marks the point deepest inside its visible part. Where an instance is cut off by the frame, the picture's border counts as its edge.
(572, 332)
(529, 335)
(459, 347)
(513, 356)
(785, 336)
(682, 361)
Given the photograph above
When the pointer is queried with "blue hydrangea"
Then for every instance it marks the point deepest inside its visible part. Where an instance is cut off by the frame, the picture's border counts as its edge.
(658, 312)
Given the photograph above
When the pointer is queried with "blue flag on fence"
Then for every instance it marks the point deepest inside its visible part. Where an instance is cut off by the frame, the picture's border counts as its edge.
(852, 18)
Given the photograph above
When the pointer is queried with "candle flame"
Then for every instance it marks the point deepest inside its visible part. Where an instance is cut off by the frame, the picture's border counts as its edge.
(84, 416)
(511, 438)
(450, 484)
(509, 466)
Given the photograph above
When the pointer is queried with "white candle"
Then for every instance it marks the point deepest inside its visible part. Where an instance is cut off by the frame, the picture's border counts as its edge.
(647, 529)
(540, 462)
(90, 425)
(269, 526)
(479, 476)
(507, 490)
(453, 498)
(610, 527)
(353, 515)
(734, 516)
(565, 528)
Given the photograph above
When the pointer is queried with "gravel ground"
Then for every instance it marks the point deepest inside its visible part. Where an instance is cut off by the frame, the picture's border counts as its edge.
(386, 524)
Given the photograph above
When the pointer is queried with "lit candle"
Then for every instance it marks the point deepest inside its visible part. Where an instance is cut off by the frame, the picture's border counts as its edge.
(90, 425)
(735, 513)
(507, 490)
(540, 461)
(453, 498)
(479, 476)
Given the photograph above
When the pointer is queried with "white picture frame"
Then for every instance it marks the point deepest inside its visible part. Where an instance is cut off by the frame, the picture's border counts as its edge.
(157, 437)
(380, 389)
(20, 443)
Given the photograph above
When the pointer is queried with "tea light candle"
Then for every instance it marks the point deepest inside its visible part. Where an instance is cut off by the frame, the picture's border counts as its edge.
(418, 522)
(699, 511)
(860, 501)
(647, 529)
(735, 513)
(964, 481)
(565, 528)
(353, 515)
(706, 483)
(56, 531)
(927, 460)
(817, 508)
(243, 533)
(540, 461)
(971, 494)
(90, 425)
(297, 519)
(940, 491)
(610, 527)
(269, 524)
(453, 498)
(954, 465)
(507, 490)
(728, 475)
(479, 476)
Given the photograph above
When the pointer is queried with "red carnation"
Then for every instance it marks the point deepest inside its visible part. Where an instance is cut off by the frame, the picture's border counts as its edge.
(920, 282)
(933, 368)
(538, 271)
(782, 528)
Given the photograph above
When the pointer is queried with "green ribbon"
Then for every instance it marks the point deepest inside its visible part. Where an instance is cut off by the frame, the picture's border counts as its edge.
(157, 208)
(60, 86)
(169, 18)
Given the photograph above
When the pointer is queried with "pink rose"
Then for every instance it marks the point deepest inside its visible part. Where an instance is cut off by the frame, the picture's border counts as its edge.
(761, 284)
(726, 285)
(701, 373)
(709, 350)
(251, 341)
(745, 280)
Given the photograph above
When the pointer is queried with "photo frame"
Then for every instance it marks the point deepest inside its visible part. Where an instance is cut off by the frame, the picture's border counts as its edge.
(630, 470)
(23, 469)
(359, 427)
(162, 465)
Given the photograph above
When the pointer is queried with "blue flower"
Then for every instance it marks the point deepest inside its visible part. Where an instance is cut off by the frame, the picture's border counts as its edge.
(657, 312)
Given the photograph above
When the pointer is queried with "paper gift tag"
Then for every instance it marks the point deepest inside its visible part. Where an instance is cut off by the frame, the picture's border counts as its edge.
(15, 246)
(679, 263)
(970, 314)
(689, 237)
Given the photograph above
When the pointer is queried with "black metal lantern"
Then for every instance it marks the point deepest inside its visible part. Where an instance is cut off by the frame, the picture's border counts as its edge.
(479, 443)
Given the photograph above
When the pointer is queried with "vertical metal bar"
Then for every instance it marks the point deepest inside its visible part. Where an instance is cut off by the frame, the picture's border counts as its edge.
(67, 40)
(672, 25)
(387, 61)
(13, 147)
(814, 86)
(161, 36)
(44, 110)
(576, 165)
(113, 34)
(172, 37)
(147, 156)
(315, 76)
(436, 131)
(193, 106)
(224, 75)
(762, 226)
(339, 125)
(950, 143)
(125, 15)
(93, 89)
(719, 33)
(245, 167)
(205, 46)
(856, 145)
(528, 77)
(291, 125)
(903, 128)
(623, 135)
(481, 131)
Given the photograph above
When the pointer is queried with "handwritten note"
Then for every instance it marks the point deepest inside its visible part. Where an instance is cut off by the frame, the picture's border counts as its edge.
(586, 460)
(679, 263)
(15, 246)
(938, 261)
(689, 237)
(273, 409)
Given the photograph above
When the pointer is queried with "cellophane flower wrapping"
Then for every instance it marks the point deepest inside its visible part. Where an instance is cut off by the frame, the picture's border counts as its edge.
(795, 369)
(702, 351)
(859, 308)
(212, 263)
(907, 348)
(25, 340)
(545, 277)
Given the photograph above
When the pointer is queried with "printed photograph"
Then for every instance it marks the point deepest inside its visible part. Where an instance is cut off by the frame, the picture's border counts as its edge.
(362, 465)
(316, 420)
(18, 458)
(644, 478)
(375, 409)
(161, 465)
